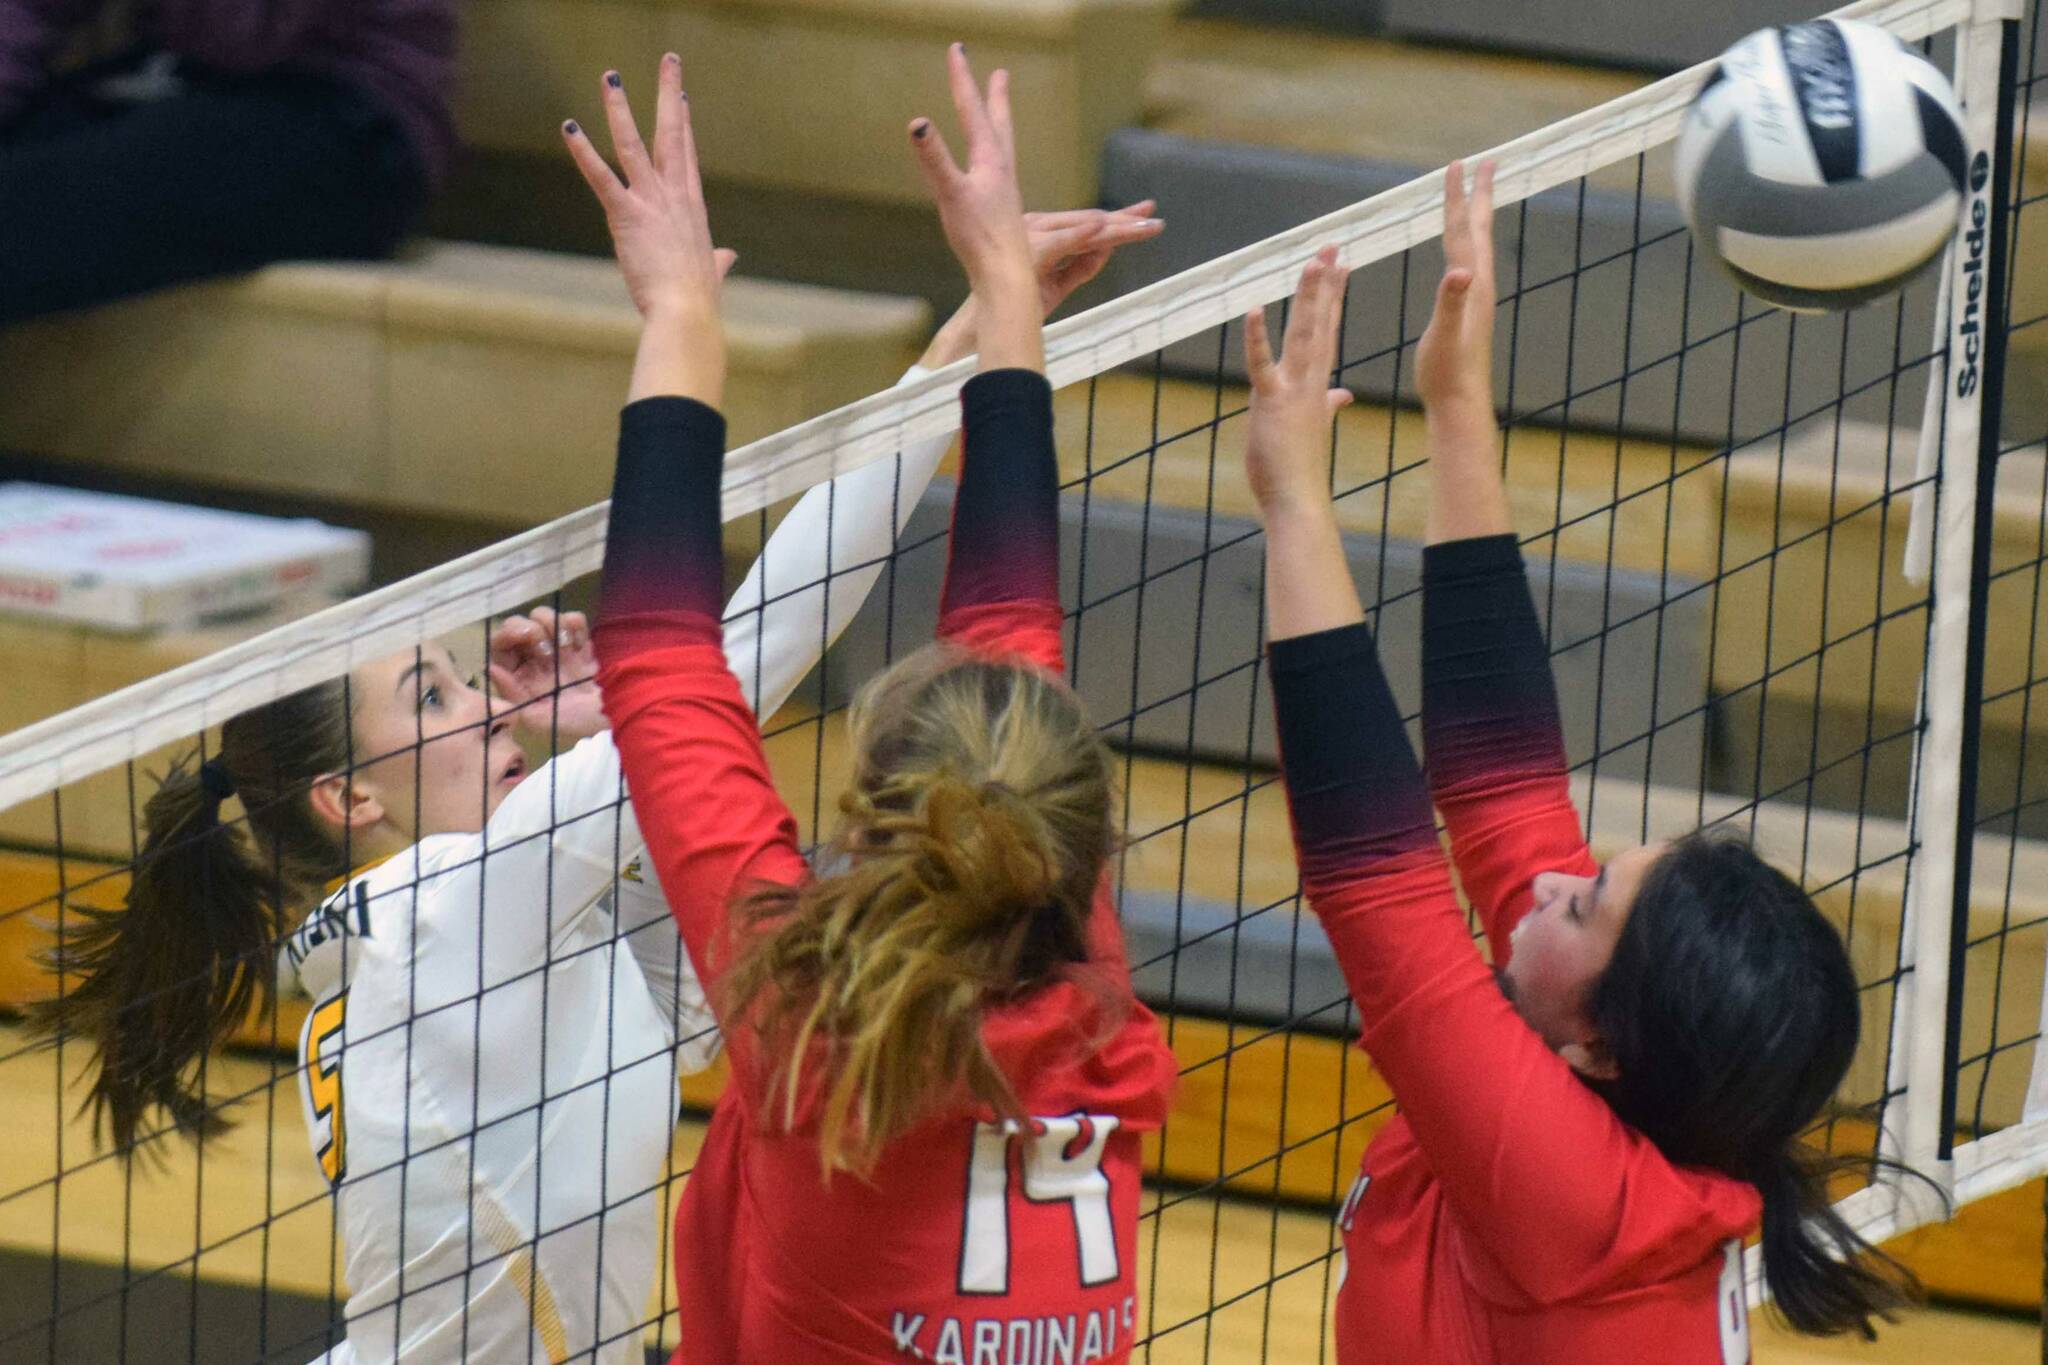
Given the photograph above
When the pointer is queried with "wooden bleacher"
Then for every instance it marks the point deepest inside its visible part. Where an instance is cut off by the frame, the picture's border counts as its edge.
(479, 382)
(814, 95)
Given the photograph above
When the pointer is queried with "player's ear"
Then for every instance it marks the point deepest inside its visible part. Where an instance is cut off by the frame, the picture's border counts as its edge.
(1591, 1058)
(343, 804)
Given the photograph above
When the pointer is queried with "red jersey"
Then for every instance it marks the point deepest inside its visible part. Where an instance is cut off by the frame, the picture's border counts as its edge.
(1506, 1214)
(973, 1241)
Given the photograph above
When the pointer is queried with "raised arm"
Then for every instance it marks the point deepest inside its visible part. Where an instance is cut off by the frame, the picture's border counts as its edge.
(1308, 580)
(830, 551)
(1002, 589)
(1492, 739)
(1538, 1166)
(1002, 570)
(688, 742)
(1542, 1172)
(1355, 793)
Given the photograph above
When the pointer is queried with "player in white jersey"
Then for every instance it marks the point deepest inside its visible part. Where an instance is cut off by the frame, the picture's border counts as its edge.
(500, 1001)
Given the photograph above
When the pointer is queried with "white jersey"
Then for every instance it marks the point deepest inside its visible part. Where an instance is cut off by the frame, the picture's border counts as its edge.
(489, 1074)
(489, 1068)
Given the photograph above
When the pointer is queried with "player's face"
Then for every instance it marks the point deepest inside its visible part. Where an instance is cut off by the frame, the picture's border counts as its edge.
(1565, 942)
(433, 756)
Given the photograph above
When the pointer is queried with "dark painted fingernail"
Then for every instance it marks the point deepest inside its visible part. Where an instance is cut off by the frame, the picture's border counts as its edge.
(611, 78)
(686, 96)
(569, 127)
(672, 59)
(920, 129)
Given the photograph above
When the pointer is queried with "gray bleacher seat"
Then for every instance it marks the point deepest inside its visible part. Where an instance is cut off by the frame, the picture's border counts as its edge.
(1597, 283)
(1258, 964)
(1168, 668)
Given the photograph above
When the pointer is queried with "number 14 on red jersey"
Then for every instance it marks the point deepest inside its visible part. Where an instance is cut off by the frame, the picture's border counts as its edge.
(1061, 1159)
(1057, 1160)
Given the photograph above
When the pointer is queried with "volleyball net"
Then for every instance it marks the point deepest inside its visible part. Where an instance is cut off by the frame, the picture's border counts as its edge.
(1791, 572)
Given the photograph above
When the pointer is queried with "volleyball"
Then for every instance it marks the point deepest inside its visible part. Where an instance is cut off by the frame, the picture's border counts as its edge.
(1822, 164)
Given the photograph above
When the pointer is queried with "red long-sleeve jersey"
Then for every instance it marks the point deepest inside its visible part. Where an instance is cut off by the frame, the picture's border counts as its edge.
(1506, 1214)
(972, 1241)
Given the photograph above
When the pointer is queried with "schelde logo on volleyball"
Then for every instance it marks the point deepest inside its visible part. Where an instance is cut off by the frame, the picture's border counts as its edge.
(1974, 240)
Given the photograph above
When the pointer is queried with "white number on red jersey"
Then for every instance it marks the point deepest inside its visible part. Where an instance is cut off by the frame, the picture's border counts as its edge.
(1731, 1307)
(1061, 1160)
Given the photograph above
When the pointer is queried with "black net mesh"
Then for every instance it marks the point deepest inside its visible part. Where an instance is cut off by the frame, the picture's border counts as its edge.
(1713, 498)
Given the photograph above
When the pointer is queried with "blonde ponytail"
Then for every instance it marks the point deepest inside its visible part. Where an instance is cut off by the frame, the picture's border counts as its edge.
(973, 840)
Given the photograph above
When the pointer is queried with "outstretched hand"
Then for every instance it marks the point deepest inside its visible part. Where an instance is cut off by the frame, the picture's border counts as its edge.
(980, 206)
(656, 213)
(1287, 442)
(982, 212)
(662, 237)
(1454, 371)
(1454, 362)
(1068, 249)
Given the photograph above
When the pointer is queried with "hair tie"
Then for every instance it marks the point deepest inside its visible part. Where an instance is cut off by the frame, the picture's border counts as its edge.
(215, 781)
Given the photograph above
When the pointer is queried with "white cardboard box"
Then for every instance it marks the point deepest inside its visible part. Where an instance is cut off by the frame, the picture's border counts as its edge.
(137, 564)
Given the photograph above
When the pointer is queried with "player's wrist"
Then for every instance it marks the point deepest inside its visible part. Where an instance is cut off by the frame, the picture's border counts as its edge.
(1460, 414)
(1008, 282)
(954, 340)
(1295, 503)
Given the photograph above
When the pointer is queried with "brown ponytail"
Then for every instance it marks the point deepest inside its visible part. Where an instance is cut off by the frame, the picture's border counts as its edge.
(974, 839)
(167, 979)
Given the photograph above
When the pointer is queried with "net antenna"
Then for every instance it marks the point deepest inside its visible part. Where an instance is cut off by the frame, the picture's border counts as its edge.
(1941, 543)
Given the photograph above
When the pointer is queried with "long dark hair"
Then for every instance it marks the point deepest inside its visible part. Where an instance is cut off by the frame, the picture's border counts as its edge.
(1732, 1014)
(163, 981)
(977, 827)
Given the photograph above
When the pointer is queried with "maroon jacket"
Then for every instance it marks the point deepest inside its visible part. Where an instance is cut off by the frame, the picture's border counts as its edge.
(398, 53)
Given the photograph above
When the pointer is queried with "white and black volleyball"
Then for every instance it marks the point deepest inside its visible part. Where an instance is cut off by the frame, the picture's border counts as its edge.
(1822, 164)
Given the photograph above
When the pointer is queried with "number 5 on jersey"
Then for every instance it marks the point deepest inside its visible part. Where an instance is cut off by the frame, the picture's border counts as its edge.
(1061, 1159)
(320, 1085)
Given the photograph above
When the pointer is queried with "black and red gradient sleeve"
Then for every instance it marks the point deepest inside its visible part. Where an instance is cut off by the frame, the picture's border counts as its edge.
(1354, 789)
(1536, 1163)
(689, 744)
(1002, 592)
(1491, 734)
(664, 565)
(1364, 835)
